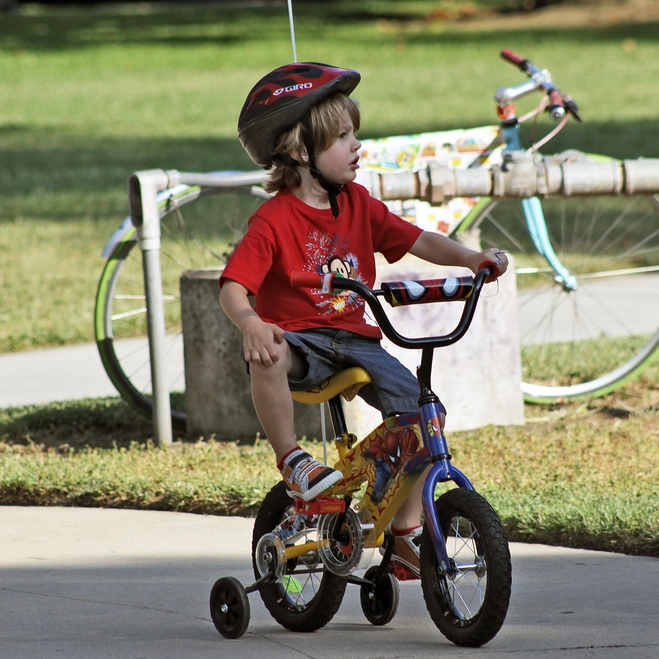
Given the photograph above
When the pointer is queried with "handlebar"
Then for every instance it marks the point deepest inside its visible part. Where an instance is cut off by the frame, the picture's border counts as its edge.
(465, 289)
(519, 61)
(559, 103)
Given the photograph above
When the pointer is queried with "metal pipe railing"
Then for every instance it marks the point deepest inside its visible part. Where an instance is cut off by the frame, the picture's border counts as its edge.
(520, 176)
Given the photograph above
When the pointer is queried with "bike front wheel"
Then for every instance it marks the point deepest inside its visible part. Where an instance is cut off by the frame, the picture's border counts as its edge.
(199, 227)
(589, 339)
(468, 599)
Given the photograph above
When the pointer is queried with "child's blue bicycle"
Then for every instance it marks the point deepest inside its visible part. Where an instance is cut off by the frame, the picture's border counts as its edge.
(305, 553)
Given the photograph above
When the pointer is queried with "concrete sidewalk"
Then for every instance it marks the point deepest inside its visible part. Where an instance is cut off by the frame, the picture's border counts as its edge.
(37, 377)
(82, 583)
(93, 583)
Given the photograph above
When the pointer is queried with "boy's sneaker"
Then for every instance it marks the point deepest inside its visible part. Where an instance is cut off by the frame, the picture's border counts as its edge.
(306, 477)
(405, 558)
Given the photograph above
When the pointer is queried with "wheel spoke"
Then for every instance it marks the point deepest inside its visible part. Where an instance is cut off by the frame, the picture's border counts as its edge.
(593, 339)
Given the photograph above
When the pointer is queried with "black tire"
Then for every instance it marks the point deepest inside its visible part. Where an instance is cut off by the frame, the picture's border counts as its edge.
(229, 607)
(468, 606)
(379, 601)
(308, 596)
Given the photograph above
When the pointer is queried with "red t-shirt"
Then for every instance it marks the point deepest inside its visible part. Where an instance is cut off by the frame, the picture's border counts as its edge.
(286, 235)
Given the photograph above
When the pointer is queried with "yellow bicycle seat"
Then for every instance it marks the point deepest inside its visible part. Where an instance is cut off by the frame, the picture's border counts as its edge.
(347, 383)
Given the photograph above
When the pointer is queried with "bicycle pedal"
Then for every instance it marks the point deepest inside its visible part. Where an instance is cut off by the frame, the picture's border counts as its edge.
(321, 505)
(402, 573)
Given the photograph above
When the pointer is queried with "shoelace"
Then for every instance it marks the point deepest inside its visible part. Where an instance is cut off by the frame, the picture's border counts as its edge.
(303, 470)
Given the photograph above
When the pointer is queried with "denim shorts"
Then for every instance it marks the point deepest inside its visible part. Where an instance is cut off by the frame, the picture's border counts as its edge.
(393, 390)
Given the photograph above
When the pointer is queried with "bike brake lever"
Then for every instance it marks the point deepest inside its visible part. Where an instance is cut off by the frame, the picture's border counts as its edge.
(571, 105)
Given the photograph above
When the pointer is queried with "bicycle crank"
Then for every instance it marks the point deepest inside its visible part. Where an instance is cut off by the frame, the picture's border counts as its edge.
(342, 538)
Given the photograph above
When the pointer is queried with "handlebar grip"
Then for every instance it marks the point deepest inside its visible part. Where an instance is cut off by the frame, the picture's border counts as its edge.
(556, 107)
(313, 280)
(514, 58)
(422, 291)
(556, 98)
(493, 268)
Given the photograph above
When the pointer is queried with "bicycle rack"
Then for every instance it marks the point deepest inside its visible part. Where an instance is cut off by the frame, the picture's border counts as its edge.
(143, 188)
(521, 176)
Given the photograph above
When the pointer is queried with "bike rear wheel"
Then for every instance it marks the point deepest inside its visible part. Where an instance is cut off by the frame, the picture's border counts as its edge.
(307, 595)
(194, 236)
(589, 341)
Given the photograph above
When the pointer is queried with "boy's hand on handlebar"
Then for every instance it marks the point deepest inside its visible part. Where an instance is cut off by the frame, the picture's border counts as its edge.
(494, 259)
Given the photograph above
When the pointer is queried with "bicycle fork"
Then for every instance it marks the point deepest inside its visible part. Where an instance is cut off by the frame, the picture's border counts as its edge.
(441, 471)
(537, 226)
(535, 216)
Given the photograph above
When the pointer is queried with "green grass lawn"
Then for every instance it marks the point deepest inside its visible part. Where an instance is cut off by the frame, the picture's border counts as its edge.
(579, 475)
(88, 96)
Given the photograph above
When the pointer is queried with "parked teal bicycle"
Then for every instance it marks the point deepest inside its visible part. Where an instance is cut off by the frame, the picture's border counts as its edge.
(587, 267)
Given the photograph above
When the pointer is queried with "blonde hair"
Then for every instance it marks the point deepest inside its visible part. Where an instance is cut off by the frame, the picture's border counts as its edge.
(325, 126)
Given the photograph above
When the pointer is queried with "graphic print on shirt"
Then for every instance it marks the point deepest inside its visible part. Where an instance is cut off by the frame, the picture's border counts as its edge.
(325, 254)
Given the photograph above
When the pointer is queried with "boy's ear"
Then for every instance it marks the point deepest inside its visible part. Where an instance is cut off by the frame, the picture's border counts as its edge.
(300, 155)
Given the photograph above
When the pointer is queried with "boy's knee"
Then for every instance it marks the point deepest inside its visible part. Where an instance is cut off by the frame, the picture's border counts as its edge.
(275, 368)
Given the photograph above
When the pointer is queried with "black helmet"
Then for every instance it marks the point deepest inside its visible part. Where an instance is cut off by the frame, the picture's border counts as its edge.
(283, 98)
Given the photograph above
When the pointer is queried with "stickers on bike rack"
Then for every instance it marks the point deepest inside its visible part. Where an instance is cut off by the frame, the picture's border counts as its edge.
(458, 149)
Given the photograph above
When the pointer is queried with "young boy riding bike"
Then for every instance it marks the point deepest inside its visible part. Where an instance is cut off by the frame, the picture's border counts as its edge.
(300, 123)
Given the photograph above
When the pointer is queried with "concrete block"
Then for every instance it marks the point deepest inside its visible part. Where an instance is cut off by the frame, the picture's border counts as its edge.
(218, 400)
(478, 378)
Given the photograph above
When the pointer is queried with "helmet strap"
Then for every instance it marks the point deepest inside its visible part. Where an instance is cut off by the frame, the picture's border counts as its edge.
(332, 189)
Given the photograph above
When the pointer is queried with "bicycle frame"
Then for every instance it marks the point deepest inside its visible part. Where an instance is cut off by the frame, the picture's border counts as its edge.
(423, 431)
(417, 439)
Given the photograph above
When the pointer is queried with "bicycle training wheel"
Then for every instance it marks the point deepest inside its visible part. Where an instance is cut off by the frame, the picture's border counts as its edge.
(194, 236)
(380, 599)
(306, 595)
(468, 602)
(591, 340)
(229, 607)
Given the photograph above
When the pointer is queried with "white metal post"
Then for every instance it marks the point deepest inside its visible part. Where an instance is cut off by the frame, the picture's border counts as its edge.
(143, 188)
